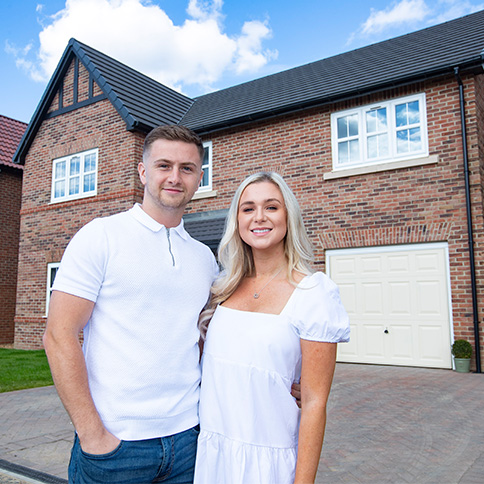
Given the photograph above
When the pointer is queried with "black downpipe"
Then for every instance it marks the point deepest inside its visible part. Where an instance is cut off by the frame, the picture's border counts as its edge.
(469, 221)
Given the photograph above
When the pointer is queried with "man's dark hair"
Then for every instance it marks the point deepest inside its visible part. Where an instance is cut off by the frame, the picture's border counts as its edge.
(173, 133)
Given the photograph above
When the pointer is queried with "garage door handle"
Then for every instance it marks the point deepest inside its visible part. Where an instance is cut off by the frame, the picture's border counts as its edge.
(386, 331)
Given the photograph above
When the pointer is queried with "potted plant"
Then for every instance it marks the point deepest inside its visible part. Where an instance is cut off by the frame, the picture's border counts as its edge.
(462, 351)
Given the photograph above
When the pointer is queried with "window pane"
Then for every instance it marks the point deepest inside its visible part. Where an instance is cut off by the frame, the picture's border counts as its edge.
(74, 186)
(415, 139)
(402, 141)
(407, 113)
(206, 152)
(354, 151)
(371, 121)
(59, 189)
(343, 156)
(74, 166)
(378, 146)
(413, 113)
(348, 126)
(342, 128)
(353, 125)
(89, 183)
(60, 170)
(401, 114)
(90, 163)
(372, 144)
(204, 182)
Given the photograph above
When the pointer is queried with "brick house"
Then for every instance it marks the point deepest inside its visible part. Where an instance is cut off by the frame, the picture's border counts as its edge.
(11, 132)
(382, 145)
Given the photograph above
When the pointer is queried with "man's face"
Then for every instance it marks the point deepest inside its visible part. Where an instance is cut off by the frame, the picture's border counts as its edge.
(171, 174)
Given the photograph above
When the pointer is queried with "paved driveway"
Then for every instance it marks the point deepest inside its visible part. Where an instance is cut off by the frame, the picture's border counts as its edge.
(385, 425)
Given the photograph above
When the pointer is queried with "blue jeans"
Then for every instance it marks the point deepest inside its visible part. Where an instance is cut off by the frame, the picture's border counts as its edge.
(167, 459)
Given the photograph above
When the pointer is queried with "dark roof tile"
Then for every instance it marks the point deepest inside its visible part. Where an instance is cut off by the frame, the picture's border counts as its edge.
(11, 132)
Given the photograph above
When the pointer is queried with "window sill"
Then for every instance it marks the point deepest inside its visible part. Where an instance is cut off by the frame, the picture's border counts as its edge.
(395, 165)
(207, 194)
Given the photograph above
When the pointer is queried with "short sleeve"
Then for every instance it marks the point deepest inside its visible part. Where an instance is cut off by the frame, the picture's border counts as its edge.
(82, 268)
(318, 313)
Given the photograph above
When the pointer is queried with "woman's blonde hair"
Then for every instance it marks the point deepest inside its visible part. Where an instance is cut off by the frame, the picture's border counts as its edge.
(235, 256)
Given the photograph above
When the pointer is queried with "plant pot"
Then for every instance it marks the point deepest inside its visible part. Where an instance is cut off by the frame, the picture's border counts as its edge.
(462, 365)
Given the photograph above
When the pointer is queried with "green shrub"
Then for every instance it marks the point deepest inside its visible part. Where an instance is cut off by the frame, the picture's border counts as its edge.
(461, 349)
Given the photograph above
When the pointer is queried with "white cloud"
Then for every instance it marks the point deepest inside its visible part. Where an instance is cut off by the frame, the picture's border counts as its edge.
(140, 34)
(405, 11)
(404, 15)
(454, 9)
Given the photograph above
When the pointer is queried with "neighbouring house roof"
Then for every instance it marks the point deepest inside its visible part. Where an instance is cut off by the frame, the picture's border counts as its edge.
(11, 132)
(144, 103)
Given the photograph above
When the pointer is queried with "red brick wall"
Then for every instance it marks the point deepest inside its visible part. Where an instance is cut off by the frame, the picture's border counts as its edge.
(409, 205)
(47, 227)
(10, 195)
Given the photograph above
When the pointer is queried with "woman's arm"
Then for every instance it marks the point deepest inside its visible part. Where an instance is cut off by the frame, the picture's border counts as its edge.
(318, 363)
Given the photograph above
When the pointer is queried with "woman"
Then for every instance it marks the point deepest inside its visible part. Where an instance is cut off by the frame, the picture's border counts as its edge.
(272, 321)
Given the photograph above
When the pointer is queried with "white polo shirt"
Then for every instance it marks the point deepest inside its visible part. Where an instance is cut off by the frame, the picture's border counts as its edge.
(149, 284)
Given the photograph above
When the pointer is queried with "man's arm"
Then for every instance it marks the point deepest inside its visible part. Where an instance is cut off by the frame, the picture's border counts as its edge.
(67, 316)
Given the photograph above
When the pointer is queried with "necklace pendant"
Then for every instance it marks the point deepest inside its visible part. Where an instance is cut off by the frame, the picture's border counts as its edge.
(256, 296)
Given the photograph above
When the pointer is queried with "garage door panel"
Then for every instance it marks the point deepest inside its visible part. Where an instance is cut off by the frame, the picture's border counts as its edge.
(372, 302)
(400, 341)
(348, 294)
(398, 264)
(372, 341)
(400, 298)
(403, 289)
(431, 340)
(371, 265)
(428, 262)
(429, 298)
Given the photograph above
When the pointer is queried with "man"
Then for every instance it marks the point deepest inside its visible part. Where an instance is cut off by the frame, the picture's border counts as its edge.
(135, 283)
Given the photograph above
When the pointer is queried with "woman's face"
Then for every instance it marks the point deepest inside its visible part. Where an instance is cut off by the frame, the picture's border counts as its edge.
(262, 216)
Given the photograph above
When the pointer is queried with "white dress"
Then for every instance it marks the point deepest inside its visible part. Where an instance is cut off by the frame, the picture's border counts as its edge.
(249, 420)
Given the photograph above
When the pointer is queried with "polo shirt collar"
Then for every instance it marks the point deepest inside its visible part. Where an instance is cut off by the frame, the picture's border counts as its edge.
(143, 218)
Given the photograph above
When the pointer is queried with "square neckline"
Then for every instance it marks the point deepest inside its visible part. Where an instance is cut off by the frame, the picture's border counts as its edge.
(272, 314)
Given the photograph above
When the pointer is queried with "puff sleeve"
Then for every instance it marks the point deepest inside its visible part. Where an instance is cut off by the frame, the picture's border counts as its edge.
(318, 313)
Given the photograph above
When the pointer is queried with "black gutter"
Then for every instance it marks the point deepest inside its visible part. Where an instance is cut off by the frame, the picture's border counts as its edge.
(469, 221)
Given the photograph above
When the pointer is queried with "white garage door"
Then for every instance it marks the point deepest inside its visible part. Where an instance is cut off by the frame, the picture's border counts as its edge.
(398, 301)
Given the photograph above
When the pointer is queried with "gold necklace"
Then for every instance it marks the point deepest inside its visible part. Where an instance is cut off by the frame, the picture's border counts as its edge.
(257, 293)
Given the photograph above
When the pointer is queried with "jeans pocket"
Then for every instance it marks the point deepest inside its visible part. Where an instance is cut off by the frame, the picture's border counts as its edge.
(103, 456)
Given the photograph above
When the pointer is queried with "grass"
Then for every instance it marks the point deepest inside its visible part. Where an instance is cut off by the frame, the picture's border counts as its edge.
(20, 369)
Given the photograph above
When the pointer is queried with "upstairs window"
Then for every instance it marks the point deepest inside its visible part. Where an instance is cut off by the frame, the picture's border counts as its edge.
(206, 184)
(74, 176)
(380, 133)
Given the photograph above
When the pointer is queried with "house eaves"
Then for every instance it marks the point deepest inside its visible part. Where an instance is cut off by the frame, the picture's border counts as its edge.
(142, 102)
(410, 58)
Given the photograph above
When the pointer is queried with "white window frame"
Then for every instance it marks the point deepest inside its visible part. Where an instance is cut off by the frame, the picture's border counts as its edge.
(207, 169)
(363, 136)
(50, 282)
(67, 176)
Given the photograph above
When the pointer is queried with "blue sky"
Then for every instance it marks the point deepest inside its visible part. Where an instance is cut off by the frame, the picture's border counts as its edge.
(196, 46)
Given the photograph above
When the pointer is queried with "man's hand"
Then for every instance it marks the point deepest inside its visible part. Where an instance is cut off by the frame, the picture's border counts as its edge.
(296, 393)
(102, 444)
